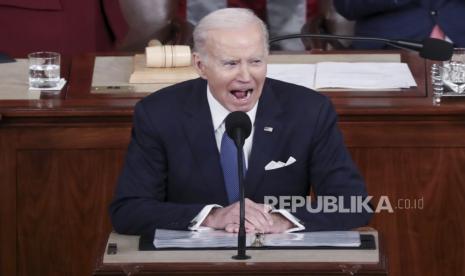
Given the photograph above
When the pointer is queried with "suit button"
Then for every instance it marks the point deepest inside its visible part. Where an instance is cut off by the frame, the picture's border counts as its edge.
(434, 13)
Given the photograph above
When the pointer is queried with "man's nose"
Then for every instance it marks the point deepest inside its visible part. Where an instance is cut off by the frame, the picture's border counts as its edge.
(244, 73)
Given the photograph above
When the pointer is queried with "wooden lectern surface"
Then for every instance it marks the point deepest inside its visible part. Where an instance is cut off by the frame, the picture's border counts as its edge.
(362, 261)
(128, 253)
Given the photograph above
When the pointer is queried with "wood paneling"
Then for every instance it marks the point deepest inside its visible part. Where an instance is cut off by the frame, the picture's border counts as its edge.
(62, 208)
(106, 137)
(7, 202)
(413, 134)
(428, 241)
(246, 269)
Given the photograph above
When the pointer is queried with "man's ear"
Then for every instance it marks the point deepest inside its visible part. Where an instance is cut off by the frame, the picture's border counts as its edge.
(199, 65)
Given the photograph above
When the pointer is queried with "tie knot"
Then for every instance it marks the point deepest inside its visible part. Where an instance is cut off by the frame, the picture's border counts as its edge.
(437, 33)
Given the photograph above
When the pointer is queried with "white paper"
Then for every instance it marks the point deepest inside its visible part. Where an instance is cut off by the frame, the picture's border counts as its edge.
(300, 74)
(363, 75)
(324, 238)
(193, 239)
(217, 238)
(349, 75)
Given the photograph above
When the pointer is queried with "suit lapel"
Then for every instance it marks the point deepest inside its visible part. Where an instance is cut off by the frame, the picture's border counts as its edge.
(198, 128)
(264, 142)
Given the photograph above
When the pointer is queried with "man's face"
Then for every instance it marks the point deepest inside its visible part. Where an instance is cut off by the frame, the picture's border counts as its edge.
(235, 66)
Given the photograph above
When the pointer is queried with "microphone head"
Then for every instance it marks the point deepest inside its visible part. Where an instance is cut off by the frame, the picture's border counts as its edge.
(238, 126)
(436, 49)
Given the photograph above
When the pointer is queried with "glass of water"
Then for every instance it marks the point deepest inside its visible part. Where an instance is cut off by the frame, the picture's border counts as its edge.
(453, 71)
(44, 69)
(458, 55)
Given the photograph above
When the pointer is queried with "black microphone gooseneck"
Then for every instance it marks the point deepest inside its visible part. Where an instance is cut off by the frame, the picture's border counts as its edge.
(238, 128)
(429, 48)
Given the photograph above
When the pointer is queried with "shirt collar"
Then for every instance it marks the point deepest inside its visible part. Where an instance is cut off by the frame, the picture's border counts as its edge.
(219, 112)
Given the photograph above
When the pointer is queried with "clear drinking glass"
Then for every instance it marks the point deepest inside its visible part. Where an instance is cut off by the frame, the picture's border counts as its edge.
(44, 69)
(453, 71)
(458, 55)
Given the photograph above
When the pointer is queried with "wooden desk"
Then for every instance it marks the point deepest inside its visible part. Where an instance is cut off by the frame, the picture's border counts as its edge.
(60, 157)
(219, 262)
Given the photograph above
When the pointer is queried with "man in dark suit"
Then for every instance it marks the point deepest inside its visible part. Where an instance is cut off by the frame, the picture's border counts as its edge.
(173, 176)
(405, 19)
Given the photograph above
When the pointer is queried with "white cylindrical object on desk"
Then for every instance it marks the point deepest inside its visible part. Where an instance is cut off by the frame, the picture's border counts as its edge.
(168, 56)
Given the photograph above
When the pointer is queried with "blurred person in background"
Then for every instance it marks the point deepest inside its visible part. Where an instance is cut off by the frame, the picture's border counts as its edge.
(405, 19)
(65, 26)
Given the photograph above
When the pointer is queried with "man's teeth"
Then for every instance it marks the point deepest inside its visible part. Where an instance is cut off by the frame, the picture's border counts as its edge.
(242, 94)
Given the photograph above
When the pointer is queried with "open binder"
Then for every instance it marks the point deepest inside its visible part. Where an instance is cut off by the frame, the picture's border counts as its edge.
(367, 241)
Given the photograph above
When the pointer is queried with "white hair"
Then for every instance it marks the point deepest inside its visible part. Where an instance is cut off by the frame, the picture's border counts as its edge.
(228, 18)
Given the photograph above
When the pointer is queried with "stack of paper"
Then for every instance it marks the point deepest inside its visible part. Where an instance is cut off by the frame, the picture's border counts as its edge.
(216, 238)
(324, 238)
(300, 74)
(193, 239)
(363, 75)
(346, 75)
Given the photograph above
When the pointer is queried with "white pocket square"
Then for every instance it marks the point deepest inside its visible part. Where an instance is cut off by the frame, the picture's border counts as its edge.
(273, 165)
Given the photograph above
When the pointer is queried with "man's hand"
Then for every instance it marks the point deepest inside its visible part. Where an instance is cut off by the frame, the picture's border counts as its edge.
(280, 224)
(257, 218)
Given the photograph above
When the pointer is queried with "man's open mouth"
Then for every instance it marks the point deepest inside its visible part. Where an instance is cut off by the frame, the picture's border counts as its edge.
(242, 94)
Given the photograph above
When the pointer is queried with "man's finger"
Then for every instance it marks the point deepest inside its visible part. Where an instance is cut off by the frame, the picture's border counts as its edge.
(262, 213)
(261, 208)
(257, 220)
(230, 228)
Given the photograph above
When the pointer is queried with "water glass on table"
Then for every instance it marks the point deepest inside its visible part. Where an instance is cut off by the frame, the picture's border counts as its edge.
(453, 71)
(44, 69)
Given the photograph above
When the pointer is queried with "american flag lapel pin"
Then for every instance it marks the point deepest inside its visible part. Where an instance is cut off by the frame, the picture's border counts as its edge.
(268, 129)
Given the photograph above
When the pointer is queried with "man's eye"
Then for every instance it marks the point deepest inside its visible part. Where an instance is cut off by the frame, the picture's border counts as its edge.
(230, 63)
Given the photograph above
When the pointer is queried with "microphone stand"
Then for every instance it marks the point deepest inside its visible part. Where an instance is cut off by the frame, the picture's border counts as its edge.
(241, 238)
(429, 48)
(409, 45)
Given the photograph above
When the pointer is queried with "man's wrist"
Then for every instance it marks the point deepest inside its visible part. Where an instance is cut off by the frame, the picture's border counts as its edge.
(209, 221)
(283, 221)
(296, 224)
(199, 220)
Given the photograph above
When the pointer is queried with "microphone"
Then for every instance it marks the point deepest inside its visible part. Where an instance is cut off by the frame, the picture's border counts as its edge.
(238, 128)
(429, 48)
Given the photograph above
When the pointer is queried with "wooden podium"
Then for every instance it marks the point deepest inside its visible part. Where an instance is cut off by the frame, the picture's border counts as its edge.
(129, 260)
(60, 157)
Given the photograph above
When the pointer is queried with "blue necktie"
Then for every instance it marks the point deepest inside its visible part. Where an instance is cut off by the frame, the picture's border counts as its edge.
(229, 165)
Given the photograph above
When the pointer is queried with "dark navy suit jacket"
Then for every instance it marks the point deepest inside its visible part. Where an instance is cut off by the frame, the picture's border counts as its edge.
(404, 19)
(172, 167)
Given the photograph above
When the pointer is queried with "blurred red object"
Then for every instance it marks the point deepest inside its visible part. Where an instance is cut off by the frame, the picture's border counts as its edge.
(64, 26)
